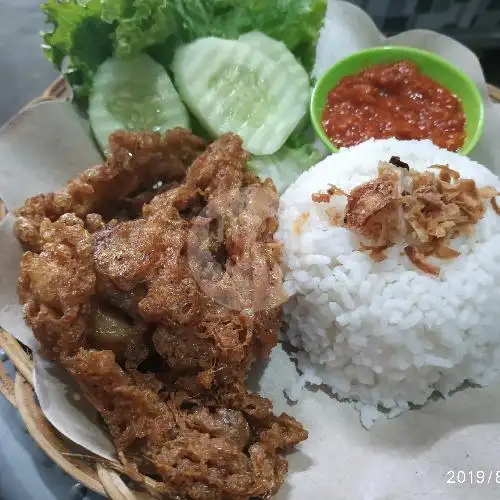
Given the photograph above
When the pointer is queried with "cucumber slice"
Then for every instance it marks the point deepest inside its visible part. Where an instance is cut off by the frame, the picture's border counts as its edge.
(232, 87)
(135, 94)
(285, 166)
(278, 52)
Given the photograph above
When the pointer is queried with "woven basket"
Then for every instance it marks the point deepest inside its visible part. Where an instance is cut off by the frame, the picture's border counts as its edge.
(89, 470)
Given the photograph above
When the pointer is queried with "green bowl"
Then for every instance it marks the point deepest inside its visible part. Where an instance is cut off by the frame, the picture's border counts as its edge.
(440, 70)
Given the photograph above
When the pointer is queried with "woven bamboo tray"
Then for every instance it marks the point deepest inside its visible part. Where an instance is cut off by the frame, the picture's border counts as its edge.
(89, 470)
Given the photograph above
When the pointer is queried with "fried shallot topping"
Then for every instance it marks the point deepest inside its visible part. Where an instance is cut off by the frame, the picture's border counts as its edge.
(299, 222)
(326, 197)
(426, 210)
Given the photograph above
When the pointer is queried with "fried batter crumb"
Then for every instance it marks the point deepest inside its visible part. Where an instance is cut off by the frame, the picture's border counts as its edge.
(495, 206)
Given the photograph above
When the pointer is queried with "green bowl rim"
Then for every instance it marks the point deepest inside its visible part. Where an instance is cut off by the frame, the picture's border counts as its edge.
(473, 139)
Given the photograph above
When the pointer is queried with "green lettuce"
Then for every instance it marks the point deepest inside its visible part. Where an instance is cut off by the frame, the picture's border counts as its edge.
(139, 24)
(295, 22)
(79, 42)
(86, 32)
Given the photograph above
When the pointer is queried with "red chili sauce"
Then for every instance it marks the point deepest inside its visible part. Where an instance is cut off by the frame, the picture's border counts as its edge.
(393, 100)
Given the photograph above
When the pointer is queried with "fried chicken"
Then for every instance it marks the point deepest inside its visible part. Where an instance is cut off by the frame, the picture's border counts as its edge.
(137, 161)
(160, 318)
(204, 452)
(114, 331)
(56, 286)
(161, 268)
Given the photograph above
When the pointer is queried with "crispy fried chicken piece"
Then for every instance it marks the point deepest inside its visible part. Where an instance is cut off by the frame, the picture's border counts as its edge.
(198, 453)
(217, 351)
(284, 433)
(184, 350)
(220, 168)
(252, 273)
(190, 424)
(113, 331)
(56, 286)
(257, 408)
(161, 268)
(130, 412)
(136, 162)
(138, 264)
(222, 422)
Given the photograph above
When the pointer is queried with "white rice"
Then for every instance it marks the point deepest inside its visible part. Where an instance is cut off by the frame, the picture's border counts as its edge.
(387, 334)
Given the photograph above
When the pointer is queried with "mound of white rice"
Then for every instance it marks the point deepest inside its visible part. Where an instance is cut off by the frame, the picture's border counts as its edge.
(386, 334)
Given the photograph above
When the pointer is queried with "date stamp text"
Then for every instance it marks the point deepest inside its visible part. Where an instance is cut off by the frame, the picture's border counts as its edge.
(489, 476)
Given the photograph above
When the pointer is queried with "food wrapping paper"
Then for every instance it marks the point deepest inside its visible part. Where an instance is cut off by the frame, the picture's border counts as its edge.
(449, 449)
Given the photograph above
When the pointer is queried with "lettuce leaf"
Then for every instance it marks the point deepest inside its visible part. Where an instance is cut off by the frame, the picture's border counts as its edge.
(86, 32)
(295, 22)
(140, 24)
(79, 42)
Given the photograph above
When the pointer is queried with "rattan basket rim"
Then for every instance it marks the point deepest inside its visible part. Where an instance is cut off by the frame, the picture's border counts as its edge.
(87, 469)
